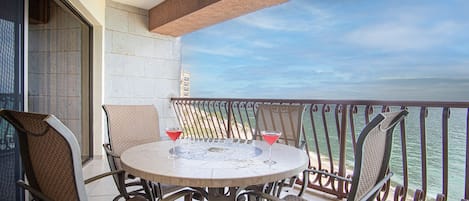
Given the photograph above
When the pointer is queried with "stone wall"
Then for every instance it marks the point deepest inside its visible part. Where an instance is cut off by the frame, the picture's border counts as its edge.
(140, 67)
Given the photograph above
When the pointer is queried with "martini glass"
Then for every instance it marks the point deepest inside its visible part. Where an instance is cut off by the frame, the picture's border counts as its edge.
(270, 137)
(173, 134)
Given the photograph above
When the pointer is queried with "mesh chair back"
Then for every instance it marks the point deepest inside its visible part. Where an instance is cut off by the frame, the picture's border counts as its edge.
(50, 154)
(373, 153)
(285, 118)
(131, 125)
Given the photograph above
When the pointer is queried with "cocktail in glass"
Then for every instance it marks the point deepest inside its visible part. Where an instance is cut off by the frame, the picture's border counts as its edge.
(270, 137)
(173, 134)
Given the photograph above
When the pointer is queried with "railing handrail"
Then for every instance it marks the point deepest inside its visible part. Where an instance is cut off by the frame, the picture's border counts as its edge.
(413, 103)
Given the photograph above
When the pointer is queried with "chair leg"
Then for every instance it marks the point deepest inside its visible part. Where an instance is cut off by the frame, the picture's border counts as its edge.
(121, 187)
(147, 189)
(188, 197)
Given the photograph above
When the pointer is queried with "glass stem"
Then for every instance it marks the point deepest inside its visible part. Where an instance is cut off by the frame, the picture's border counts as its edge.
(270, 153)
(174, 148)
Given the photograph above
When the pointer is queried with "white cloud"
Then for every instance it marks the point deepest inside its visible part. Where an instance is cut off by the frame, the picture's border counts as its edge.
(403, 36)
(262, 44)
(227, 51)
(264, 20)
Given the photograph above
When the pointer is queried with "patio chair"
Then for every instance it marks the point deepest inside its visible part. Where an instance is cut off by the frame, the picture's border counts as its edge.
(371, 162)
(52, 159)
(287, 119)
(128, 126)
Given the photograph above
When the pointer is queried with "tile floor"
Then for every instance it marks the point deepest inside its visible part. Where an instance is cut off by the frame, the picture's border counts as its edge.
(105, 189)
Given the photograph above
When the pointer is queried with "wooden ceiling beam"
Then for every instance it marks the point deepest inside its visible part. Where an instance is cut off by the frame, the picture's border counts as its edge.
(179, 17)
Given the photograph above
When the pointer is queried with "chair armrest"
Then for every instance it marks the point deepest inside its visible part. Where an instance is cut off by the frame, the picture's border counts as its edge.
(100, 176)
(109, 152)
(328, 174)
(314, 171)
(259, 195)
(33, 191)
(377, 187)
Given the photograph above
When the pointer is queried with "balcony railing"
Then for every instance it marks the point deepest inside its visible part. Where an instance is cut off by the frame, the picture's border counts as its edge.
(430, 155)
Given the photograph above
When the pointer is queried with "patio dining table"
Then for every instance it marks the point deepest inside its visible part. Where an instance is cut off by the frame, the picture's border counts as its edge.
(214, 165)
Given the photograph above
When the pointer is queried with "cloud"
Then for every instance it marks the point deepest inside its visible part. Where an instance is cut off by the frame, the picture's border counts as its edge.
(397, 36)
(270, 22)
(297, 16)
(228, 51)
(263, 44)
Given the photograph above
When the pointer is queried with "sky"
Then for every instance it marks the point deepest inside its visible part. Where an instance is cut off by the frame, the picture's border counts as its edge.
(333, 49)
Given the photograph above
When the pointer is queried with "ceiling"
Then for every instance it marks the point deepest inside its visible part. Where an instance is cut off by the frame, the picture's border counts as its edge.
(145, 4)
(179, 17)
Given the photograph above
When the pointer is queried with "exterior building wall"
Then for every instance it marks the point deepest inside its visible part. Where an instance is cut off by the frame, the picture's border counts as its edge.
(185, 87)
(140, 67)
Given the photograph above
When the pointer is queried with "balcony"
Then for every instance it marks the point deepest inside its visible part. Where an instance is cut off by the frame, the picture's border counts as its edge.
(430, 148)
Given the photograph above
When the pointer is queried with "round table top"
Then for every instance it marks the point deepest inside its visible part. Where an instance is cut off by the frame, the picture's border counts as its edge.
(203, 164)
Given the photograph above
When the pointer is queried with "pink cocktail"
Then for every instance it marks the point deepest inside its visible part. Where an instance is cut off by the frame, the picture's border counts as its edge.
(270, 137)
(173, 134)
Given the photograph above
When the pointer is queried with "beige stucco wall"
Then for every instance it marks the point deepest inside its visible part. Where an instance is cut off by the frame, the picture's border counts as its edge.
(140, 67)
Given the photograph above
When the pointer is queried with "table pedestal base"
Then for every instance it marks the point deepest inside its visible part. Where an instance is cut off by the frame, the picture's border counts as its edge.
(218, 194)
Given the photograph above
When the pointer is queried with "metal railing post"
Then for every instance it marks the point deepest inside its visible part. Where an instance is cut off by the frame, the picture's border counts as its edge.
(230, 111)
(343, 150)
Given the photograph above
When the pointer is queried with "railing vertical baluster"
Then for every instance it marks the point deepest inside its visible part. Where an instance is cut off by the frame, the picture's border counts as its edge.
(446, 113)
(190, 118)
(195, 106)
(368, 111)
(208, 119)
(192, 111)
(326, 108)
(337, 121)
(241, 119)
(225, 111)
(178, 115)
(235, 121)
(316, 142)
(353, 110)
(423, 149)
(466, 193)
(343, 134)
(404, 158)
(213, 117)
(200, 120)
(228, 132)
(219, 115)
(249, 120)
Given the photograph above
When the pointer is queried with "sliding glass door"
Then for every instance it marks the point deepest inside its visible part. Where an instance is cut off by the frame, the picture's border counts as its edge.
(59, 67)
(11, 94)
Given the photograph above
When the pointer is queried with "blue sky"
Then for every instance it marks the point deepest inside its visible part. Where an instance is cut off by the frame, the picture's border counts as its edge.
(323, 49)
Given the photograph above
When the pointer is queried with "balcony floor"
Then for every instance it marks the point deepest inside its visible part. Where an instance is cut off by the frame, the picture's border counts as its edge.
(105, 190)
